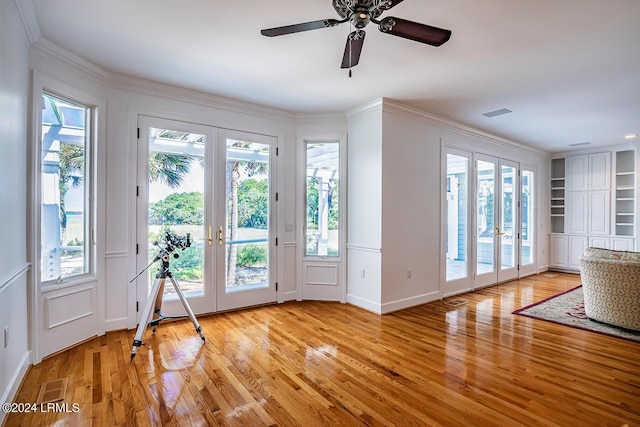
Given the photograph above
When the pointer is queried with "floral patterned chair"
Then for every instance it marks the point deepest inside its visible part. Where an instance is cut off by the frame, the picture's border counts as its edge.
(611, 286)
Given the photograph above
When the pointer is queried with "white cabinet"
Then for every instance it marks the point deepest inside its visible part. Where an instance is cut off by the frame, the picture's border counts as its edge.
(599, 242)
(622, 244)
(577, 245)
(593, 203)
(578, 212)
(579, 173)
(558, 252)
(566, 251)
(599, 212)
(600, 171)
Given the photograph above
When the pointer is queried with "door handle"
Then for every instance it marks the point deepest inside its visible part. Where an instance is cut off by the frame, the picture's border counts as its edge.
(210, 236)
(497, 232)
(220, 238)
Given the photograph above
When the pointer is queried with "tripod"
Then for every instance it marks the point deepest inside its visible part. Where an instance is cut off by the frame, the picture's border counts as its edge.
(154, 304)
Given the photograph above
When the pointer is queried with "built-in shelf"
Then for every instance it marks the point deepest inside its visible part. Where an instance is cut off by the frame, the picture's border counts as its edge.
(558, 183)
(625, 193)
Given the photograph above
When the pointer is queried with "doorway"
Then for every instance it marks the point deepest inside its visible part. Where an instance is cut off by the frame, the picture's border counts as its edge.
(214, 187)
(482, 209)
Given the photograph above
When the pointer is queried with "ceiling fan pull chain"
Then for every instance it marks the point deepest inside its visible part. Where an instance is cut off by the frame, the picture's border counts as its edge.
(350, 51)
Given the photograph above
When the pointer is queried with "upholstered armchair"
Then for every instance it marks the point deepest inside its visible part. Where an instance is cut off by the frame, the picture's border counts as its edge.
(611, 286)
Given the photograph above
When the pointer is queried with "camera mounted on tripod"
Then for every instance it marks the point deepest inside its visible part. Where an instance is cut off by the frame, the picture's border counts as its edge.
(171, 242)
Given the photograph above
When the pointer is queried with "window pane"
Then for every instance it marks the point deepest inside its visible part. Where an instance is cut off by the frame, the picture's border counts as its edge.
(485, 217)
(322, 199)
(457, 227)
(247, 230)
(527, 217)
(64, 189)
(507, 256)
(176, 204)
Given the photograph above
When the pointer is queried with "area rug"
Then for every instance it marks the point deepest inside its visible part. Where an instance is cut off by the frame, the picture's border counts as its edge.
(567, 308)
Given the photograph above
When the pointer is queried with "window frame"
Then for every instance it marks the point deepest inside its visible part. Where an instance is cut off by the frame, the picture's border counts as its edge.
(307, 144)
(46, 86)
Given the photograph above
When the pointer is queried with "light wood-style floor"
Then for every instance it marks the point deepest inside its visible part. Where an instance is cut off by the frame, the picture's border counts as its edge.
(319, 363)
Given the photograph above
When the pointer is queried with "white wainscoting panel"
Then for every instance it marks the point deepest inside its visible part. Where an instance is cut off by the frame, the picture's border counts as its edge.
(67, 307)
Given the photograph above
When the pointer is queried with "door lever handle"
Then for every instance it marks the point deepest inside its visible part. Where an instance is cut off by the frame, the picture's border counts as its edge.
(210, 236)
(220, 238)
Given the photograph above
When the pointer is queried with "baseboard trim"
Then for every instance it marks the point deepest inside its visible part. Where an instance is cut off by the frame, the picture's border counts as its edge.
(15, 382)
(401, 304)
(363, 303)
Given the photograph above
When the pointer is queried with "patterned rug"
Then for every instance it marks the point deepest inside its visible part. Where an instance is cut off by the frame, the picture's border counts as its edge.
(567, 308)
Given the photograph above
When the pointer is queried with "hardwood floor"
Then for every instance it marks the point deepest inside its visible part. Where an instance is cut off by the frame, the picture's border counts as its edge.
(319, 363)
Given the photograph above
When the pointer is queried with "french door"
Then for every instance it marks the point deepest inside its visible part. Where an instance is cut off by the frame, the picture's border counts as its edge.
(496, 222)
(246, 212)
(482, 239)
(214, 187)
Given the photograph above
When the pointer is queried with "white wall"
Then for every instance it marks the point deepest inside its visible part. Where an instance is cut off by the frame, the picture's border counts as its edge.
(127, 98)
(395, 222)
(364, 240)
(14, 89)
(410, 211)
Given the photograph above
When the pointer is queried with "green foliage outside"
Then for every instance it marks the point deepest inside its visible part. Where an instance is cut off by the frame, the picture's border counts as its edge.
(253, 202)
(252, 255)
(178, 208)
(312, 204)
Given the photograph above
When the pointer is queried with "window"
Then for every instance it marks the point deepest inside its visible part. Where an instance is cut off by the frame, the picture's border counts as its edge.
(65, 189)
(322, 199)
(457, 229)
(528, 222)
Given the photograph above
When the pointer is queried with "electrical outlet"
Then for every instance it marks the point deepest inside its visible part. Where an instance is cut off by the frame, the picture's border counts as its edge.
(6, 336)
(409, 273)
(362, 273)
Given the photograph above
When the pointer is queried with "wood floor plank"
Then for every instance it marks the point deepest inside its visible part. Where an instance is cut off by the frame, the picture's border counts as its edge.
(326, 364)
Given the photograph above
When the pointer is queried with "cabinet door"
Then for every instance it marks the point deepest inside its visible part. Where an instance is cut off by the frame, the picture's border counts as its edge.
(577, 245)
(578, 172)
(578, 212)
(599, 212)
(622, 244)
(599, 242)
(600, 171)
(558, 253)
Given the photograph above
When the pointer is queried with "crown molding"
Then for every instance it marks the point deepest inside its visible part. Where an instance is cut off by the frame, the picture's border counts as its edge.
(401, 109)
(67, 59)
(369, 107)
(153, 88)
(26, 14)
(320, 118)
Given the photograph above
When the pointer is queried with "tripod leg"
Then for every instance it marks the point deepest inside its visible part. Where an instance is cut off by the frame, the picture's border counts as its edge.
(187, 308)
(146, 315)
(157, 307)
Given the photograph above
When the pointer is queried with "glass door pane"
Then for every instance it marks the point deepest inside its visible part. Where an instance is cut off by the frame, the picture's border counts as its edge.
(528, 220)
(246, 257)
(176, 197)
(247, 228)
(485, 217)
(508, 213)
(456, 215)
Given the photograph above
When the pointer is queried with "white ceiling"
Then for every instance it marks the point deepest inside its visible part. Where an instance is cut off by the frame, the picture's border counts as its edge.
(568, 69)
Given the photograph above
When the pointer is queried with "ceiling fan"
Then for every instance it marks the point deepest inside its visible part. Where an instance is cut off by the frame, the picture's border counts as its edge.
(360, 13)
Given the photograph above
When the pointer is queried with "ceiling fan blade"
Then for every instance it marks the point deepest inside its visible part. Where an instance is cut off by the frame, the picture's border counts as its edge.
(352, 49)
(297, 28)
(422, 33)
(391, 3)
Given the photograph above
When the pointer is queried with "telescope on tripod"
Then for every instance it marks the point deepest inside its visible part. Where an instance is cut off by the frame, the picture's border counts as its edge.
(153, 306)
